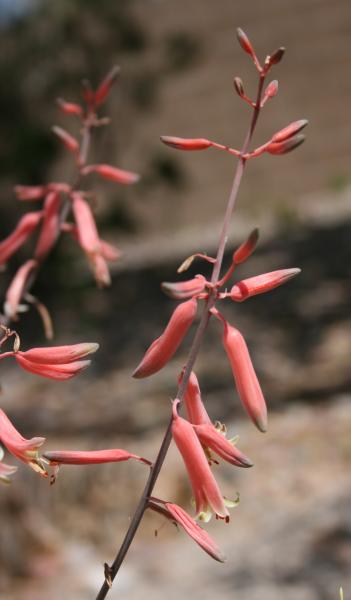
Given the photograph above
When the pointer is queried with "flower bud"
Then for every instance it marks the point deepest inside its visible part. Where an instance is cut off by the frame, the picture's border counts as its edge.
(286, 146)
(261, 283)
(246, 248)
(163, 348)
(195, 408)
(184, 289)
(276, 57)
(69, 108)
(289, 131)
(50, 227)
(17, 288)
(186, 143)
(239, 87)
(271, 89)
(245, 42)
(25, 226)
(30, 192)
(247, 384)
(67, 139)
(112, 173)
(105, 86)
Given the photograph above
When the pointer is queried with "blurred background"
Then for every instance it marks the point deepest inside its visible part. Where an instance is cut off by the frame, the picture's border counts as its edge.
(291, 534)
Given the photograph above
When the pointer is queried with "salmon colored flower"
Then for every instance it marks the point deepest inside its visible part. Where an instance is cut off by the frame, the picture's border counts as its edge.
(112, 173)
(180, 517)
(56, 362)
(69, 108)
(163, 348)
(195, 408)
(89, 240)
(56, 458)
(30, 192)
(105, 86)
(184, 289)
(69, 142)
(5, 470)
(25, 227)
(208, 497)
(25, 450)
(261, 283)
(50, 226)
(214, 439)
(17, 287)
(247, 384)
(186, 143)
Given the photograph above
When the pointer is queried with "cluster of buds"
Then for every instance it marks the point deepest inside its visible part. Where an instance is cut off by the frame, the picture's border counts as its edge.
(60, 200)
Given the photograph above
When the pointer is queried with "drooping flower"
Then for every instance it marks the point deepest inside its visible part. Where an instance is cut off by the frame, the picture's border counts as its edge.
(112, 173)
(25, 227)
(208, 497)
(25, 450)
(195, 408)
(180, 517)
(247, 384)
(50, 227)
(163, 348)
(17, 288)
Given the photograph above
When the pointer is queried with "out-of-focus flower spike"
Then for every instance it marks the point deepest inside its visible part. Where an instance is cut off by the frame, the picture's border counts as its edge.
(291, 130)
(195, 408)
(261, 283)
(30, 192)
(17, 287)
(285, 146)
(164, 347)
(186, 143)
(247, 384)
(105, 86)
(180, 517)
(213, 439)
(50, 227)
(23, 449)
(112, 174)
(67, 139)
(69, 108)
(206, 491)
(246, 248)
(184, 289)
(25, 227)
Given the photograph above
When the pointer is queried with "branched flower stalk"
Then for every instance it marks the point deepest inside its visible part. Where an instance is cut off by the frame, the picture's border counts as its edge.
(196, 437)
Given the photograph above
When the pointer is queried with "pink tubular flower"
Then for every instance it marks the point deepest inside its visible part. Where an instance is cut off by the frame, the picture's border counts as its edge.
(26, 225)
(23, 449)
(184, 289)
(112, 173)
(69, 142)
(289, 131)
(247, 384)
(195, 408)
(207, 494)
(50, 226)
(180, 517)
(163, 348)
(261, 283)
(89, 240)
(17, 287)
(105, 86)
(57, 362)
(69, 108)
(186, 143)
(94, 457)
(30, 192)
(212, 438)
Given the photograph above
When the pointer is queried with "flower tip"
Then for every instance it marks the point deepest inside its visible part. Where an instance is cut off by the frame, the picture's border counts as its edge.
(261, 423)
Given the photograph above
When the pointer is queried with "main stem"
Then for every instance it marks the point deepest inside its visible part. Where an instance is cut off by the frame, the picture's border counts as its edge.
(194, 350)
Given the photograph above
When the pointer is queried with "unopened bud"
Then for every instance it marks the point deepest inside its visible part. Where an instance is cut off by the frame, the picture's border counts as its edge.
(69, 108)
(286, 146)
(67, 139)
(271, 89)
(246, 248)
(245, 42)
(238, 85)
(276, 57)
(261, 283)
(186, 143)
(290, 130)
(105, 86)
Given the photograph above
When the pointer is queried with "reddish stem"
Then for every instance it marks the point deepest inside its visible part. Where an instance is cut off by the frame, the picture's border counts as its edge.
(193, 353)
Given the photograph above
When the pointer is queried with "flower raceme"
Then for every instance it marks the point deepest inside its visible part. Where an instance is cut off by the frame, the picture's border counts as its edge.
(25, 450)
(208, 497)
(56, 362)
(163, 348)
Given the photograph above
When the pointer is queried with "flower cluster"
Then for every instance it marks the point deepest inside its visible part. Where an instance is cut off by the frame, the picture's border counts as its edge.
(60, 200)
